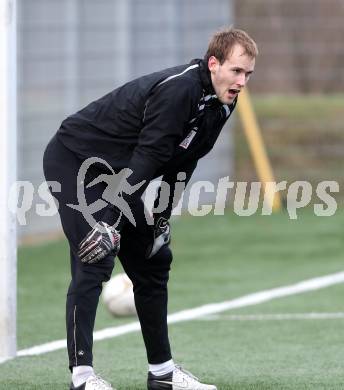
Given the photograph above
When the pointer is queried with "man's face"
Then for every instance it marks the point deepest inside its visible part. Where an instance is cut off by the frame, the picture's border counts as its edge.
(229, 78)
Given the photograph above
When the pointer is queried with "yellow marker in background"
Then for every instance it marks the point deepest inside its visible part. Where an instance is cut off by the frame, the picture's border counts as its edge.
(257, 147)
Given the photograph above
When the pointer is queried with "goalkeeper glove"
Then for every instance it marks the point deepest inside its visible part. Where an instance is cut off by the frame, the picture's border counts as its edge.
(162, 235)
(98, 243)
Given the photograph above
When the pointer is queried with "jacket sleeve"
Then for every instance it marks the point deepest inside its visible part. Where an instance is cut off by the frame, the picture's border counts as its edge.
(167, 111)
(171, 179)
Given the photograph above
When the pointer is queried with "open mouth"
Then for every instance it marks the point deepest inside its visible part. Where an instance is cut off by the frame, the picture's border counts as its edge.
(233, 91)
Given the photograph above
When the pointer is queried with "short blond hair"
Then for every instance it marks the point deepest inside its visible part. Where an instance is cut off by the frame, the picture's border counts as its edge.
(222, 42)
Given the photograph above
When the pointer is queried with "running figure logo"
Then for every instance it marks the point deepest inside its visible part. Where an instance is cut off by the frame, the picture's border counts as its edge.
(117, 185)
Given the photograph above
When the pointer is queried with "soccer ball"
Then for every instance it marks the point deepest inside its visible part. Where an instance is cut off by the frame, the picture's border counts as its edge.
(118, 296)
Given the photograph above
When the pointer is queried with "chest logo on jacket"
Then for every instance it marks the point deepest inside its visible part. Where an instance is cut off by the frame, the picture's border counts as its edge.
(187, 141)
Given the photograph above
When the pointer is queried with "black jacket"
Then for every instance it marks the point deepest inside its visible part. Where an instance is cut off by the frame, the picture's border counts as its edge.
(158, 124)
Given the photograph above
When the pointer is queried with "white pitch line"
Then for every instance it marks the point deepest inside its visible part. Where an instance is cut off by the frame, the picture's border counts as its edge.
(201, 311)
(274, 317)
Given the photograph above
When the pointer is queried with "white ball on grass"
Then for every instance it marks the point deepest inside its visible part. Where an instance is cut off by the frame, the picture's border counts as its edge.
(118, 296)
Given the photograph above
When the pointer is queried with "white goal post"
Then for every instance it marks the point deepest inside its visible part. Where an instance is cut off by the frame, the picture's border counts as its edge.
(8, 171)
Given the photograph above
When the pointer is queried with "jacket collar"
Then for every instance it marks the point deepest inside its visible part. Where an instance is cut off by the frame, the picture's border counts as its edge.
(206, 78)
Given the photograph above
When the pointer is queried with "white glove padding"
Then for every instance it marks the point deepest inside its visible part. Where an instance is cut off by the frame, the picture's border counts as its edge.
(99, 242)
(162, 235)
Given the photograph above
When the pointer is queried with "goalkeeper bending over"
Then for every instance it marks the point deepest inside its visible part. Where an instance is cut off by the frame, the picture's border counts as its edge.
(158, 124)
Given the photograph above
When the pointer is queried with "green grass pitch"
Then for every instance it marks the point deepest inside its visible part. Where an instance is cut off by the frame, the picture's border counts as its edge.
(215, 259)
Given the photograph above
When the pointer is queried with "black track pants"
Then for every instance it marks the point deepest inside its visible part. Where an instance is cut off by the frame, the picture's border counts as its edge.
(149, 276)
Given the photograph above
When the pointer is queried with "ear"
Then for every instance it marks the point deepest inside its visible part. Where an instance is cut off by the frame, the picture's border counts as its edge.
(213, 63)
